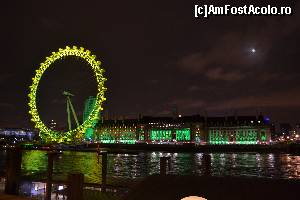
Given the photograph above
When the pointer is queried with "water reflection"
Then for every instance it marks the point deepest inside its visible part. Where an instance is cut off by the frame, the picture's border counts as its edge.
(198, 160)
(128, 166)
(34, 162)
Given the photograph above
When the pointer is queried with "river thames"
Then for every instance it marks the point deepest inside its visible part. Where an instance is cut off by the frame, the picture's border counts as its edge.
(133, 166)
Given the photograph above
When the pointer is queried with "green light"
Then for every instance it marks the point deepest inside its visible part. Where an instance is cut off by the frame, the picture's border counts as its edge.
(183, 134)
(77, 133)
(165, 134)
(88, 108)
(242, 136)
(263, 136)
(142, 137)
(160, 135)
(218, 137)
(246, 137)
(108, 141)
(115, 135)
(127, 141)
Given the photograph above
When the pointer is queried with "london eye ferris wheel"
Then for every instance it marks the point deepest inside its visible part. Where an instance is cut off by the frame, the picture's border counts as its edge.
(77, 133)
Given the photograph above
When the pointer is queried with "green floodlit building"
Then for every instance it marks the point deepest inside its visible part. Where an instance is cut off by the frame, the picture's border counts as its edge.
(187, 129)
(116, 131)
(88, 107)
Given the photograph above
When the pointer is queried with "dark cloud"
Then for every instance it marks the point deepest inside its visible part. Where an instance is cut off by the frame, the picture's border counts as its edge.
(156, 55)
(193, 88)
(232, 48)
(7, 105)
(220, 74)
(51, 24)
(187, 103)
(282, 99)
(5, 77)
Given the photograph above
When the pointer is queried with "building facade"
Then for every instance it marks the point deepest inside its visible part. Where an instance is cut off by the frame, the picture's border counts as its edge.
(187, 129)
(116, 131)
(14, 135)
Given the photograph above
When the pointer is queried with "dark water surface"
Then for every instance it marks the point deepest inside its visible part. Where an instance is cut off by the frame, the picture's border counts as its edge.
(139, 165)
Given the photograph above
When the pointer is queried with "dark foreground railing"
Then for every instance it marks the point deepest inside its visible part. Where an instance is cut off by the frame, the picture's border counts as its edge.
(75, 183)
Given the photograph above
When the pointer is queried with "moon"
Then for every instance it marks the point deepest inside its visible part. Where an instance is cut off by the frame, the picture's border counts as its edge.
(253, 50)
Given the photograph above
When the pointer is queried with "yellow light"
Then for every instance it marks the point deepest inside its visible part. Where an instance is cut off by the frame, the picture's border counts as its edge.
(45, 132)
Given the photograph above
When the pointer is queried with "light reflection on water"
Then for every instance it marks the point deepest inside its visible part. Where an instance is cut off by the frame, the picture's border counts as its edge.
(129, 166)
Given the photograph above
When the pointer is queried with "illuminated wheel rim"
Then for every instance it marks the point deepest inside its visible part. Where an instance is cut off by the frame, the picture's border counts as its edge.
(48, 134)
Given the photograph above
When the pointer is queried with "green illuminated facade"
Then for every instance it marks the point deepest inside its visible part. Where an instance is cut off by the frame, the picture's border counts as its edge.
(198, 131)
(160, 135)
(217, 137)
(263, 135)
(88, 108)
(246, 136)
(237, 135)
(183, 134)
(180, 135)
(115, 133)
(141, 134)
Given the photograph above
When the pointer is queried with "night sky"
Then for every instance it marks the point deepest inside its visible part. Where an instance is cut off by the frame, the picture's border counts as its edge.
(156, 56)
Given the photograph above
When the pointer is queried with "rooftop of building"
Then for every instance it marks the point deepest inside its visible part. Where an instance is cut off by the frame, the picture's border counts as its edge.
(224, 120)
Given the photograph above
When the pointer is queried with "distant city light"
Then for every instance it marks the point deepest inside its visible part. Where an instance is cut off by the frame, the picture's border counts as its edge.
(253, 50)
(179, 115)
